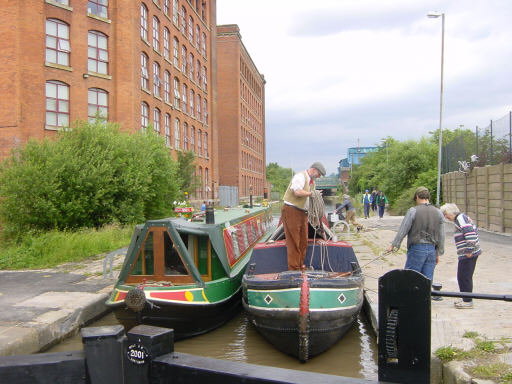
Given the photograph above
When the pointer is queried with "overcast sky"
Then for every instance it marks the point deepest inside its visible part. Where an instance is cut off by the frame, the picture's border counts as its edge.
(343, 72)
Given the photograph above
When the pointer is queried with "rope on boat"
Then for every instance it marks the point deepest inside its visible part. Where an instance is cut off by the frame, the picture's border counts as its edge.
(382, 254)
(316, 209)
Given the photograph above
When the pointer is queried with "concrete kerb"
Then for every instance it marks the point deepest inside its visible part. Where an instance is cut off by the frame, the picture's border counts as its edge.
(61, 313)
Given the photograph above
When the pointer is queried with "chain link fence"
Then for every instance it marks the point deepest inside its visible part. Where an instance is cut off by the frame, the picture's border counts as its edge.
(492, 145)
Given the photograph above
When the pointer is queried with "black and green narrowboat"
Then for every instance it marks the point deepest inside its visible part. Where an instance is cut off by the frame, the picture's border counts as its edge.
(185, 274)
(303, 313)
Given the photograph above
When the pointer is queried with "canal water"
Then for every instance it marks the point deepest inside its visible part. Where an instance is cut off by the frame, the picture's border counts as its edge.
(355, 355)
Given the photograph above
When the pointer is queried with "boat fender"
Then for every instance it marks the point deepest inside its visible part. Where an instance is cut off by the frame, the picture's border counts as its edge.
(135, 300)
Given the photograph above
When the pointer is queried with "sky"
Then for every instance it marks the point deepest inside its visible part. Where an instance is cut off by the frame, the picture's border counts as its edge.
(343, 73)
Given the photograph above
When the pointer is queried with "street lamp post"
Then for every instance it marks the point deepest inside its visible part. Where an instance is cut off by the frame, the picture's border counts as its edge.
(436, 15)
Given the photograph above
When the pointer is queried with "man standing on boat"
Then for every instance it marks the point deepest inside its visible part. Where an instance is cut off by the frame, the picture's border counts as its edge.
(424, 227)
(294, 214)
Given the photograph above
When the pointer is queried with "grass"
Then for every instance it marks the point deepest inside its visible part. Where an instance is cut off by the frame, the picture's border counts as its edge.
(49, 249)
(484, 356)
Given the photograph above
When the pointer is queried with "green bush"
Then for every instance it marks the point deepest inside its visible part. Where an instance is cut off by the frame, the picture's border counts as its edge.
(91, 175)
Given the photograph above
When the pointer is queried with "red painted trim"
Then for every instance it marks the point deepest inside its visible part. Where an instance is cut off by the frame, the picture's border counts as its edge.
(282, 243)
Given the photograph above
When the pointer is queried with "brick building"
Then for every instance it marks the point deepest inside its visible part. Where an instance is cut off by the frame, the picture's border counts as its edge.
(139, 63)
(241, 115)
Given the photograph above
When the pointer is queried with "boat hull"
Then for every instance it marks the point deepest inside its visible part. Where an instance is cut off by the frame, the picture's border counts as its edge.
(303, 313)
(187, 320)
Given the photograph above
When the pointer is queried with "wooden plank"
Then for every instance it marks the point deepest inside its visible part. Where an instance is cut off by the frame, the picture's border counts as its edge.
(507, 168)
(494, 195)
(495, 204)
(496, 178)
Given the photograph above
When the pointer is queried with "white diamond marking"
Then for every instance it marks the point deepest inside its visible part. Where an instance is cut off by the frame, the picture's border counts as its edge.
(268, 299)
(341, 298)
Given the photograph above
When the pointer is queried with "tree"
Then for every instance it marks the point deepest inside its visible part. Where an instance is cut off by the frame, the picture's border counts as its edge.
(91, 175)
(279, 177)
(189, 182)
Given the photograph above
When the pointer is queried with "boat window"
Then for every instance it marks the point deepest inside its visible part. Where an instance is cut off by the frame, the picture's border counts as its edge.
(145, 262)
(173, 263)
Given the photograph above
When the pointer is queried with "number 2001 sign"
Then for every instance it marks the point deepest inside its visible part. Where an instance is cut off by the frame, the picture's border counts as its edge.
(137, 354)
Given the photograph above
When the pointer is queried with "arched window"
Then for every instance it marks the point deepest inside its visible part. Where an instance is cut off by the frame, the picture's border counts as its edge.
(97, 52)
(175, 52)
(184, 59)
(175, 16)
(203, 44)
(199, 149)
(185, 136)
(166, 7)
(157, 82)
(97, 107)
(144, 80)
(144, 21)
(184, 93)
(205, 112)
(58, 47)
(156, 120)
(183, 24)
(198, 37)
(191, 66)
(144, 116)
(191, 29)
(156, 34)
(198, 107)
(205, 145)
(176, 93)
(167, 128)
(192, 96)
(57, 104)
(167, 86)
(205, 79)
(177, 134)
(167, 43)
(192, 139)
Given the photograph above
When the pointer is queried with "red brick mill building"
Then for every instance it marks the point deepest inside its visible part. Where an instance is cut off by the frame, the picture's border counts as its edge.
(133, 62)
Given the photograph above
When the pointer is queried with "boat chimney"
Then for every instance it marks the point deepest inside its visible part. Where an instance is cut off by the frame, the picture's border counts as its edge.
(210, 215)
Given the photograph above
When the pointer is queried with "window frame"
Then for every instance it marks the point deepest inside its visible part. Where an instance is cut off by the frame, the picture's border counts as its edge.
(59, 113)
(144, 114)
(97, 60)
(157, 82)
(98, 6)
(144, 62)
(97, 106)
(58, 49)
(156, 120)
(156, 34)
(144, 28)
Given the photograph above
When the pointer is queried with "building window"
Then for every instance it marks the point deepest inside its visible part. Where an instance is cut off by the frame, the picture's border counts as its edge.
(198, 72)
(167, 128)
(97, 104)
(199, 149)
(191, 29)
(144, 22)
(167, 86)
(156, 120)
(205, 79)
(98, 8)
(191, 66)
(156, 34)
(175, 52)
(192, 95)
(167, 43)
(185, 136)
(203, 10)
(205, 144)
(166, 7)
(175, 16)
(198, 37)
(176, 93)
(97, 52)
(63, 2)
(57, 104)
(192, 138)
(205, 112)
(183, 17)
(177, 133)
(58, 47)
(203, 44)
(144, 71)
(198, 107)
(144, 115)
(184, 105)
(184, 59)
(157, 83)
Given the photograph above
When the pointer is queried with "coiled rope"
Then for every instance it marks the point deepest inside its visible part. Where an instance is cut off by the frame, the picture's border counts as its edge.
(316, 212)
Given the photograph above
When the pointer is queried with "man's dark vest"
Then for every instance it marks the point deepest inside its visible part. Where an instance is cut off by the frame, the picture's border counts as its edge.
(425, 227)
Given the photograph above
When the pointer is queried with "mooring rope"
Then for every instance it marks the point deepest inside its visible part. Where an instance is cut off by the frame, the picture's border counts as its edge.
(316, 209)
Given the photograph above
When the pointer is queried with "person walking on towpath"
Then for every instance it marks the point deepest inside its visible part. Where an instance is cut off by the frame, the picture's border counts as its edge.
(366, 199)
(374, 200)
(468, 250)
(424, 227)
(294, 213)
(381, 200)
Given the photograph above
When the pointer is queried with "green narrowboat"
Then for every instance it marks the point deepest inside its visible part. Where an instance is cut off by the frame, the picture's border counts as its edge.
(186, 274)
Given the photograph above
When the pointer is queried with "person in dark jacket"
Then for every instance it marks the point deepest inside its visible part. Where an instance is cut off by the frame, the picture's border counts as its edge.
(468, 250)
(366, 200)
(381, 200)
(424, 227)
(374, 200)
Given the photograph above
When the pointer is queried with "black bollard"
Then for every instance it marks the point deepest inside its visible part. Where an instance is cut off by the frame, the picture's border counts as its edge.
(210, 214)
(103, 348)
(144, 344)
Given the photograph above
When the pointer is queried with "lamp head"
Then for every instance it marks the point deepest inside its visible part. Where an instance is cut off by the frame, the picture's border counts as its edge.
(434, 15)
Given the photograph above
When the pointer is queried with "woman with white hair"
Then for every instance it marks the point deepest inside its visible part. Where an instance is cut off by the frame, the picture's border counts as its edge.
(468, 250)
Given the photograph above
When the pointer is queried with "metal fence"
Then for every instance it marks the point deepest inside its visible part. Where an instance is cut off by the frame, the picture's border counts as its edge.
(492, 145)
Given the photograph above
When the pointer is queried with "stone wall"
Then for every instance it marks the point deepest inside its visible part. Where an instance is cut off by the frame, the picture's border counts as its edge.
(484, 193)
